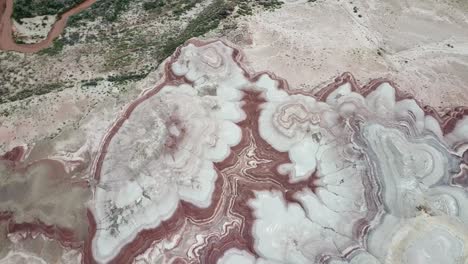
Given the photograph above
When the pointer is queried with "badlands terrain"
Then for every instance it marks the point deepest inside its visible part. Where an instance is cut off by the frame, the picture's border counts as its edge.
(234, 131)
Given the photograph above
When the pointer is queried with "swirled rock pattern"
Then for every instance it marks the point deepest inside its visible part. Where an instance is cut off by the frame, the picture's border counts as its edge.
(221, 165)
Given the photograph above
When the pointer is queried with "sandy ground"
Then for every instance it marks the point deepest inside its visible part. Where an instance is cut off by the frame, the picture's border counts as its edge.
(64, 120)
(421, 45)
(33, 29)
(6, 28)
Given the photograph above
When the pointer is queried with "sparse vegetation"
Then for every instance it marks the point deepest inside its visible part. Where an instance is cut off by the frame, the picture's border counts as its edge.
(154, 5)
(31, 8)
(129, 52)
(270, 4)
(126, 77)
(55, 49)
(5, 112)
(175, 8)
(91, 82)
(39, 90)
(246, 7)
(108, 10)
(207, 20)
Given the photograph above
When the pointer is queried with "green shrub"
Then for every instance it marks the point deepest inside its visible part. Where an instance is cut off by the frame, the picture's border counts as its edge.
(31, 8)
